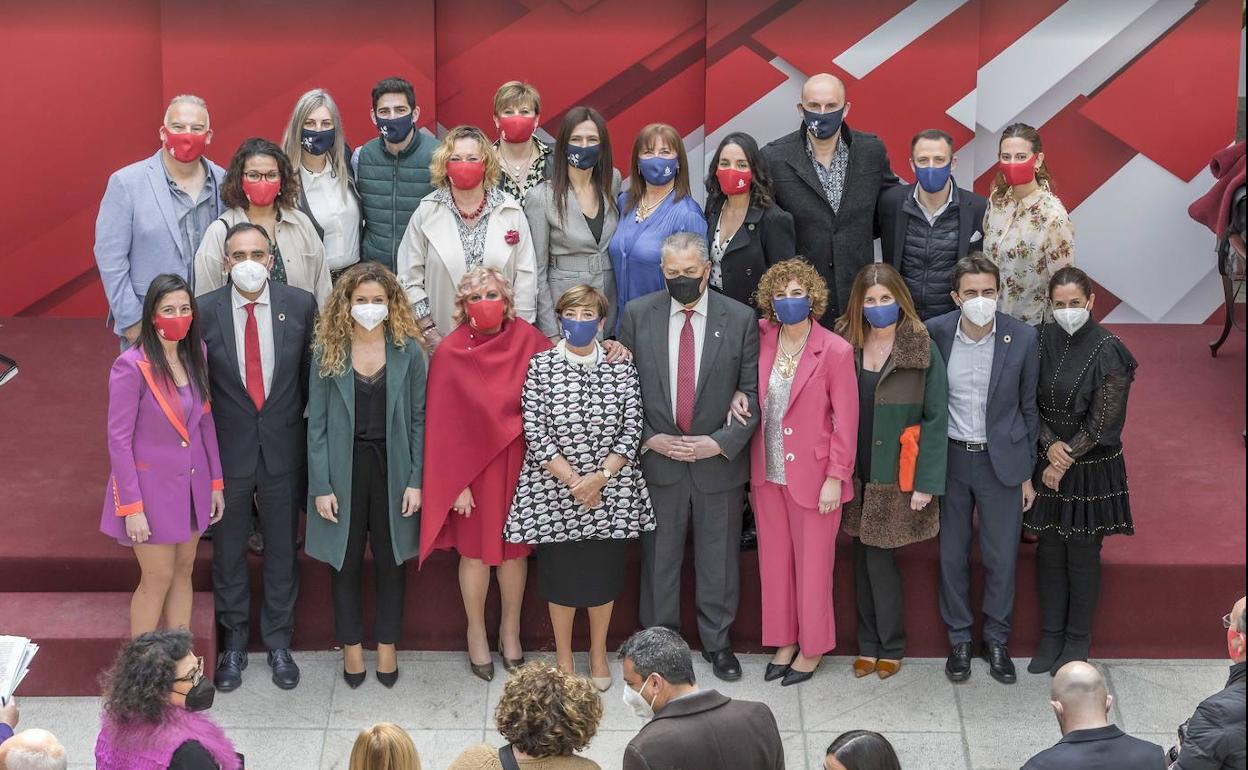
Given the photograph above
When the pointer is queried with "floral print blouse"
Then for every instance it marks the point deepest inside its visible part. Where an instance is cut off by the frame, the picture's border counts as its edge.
(1029, 240)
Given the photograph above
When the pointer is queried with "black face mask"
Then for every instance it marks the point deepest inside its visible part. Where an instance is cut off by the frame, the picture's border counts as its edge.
(200, 697)
(684, 289)
(317, 142)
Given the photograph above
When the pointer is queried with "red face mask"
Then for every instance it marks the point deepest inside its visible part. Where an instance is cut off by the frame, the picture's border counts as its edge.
(465, 174)
(516, 128)
(185, 147)
(1020, 173)
(734, 182)
(263, 192)
(173, 328)
(486, 314)
(1231, 636)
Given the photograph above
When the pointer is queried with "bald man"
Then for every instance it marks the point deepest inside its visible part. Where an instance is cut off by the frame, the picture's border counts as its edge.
(828, 176)
(1089, 742)
(1213, 738)
(32, 750)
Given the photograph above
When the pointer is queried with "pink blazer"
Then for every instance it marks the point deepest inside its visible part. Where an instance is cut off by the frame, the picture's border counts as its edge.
(821, 424)
(161, 458)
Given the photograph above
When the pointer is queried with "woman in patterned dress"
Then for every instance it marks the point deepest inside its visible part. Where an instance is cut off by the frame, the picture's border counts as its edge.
(1027, 231)
(581, 498)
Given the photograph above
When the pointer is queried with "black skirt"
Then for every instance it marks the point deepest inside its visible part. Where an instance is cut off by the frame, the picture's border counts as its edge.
(1092, 498)
(581, 573)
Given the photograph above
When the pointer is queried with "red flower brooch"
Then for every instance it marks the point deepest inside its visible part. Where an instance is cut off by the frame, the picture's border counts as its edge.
(512, 237)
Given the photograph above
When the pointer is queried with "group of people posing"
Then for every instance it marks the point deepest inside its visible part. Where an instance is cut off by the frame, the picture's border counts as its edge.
(493, 348)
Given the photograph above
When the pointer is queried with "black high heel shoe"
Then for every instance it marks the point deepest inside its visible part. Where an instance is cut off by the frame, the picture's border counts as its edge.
(793, 676)
(354, 680)
(509, 664)
(388, 678)
(778, 670)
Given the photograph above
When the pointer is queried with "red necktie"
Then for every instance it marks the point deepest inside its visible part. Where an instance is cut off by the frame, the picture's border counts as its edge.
(251, 357)
(685, 380)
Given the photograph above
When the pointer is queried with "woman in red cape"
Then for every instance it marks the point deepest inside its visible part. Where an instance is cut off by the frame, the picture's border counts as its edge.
(474, 450)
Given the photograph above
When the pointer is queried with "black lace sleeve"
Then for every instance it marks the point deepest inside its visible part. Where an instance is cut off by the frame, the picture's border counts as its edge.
(1108, 410)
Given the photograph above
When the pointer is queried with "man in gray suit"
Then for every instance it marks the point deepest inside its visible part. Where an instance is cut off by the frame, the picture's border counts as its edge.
(154, 213)
(993, 366)
(694, 350)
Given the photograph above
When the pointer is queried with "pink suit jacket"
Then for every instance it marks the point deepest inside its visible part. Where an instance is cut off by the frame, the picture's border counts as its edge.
(161, 458)
(821, 422)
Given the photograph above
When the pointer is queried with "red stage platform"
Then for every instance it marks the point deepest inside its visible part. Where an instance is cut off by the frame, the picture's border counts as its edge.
(1164, 589)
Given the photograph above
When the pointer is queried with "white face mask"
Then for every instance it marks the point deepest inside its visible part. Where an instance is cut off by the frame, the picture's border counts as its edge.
(1071, 319)
(979, 310)
(249, 275)
(369, 315)
(637, 703)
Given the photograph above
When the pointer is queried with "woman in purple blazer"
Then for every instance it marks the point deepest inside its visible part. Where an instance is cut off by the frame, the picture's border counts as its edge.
(165, 487)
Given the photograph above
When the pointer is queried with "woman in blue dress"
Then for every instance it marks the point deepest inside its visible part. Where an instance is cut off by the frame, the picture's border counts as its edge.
(656, 204)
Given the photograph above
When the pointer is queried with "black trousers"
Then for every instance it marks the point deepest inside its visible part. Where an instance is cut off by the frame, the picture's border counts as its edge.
(1068, 577)
(877, 585)
(369, 523)
(276, 496)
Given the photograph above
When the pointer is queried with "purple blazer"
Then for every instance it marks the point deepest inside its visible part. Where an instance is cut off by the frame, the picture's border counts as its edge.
(162, 458)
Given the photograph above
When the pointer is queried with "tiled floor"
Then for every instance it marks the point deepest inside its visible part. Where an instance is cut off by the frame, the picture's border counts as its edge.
(934, 724)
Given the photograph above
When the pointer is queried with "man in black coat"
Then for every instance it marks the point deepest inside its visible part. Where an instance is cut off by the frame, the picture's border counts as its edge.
(1213, 739)
(1089, 741)
(259, 337)
(829, 177)
(926, 227)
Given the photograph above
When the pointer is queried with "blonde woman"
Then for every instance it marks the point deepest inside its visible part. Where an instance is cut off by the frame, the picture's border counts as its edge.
(327, 194)
(465, 223)
(366, 426)
(526, 160)
(384, 746)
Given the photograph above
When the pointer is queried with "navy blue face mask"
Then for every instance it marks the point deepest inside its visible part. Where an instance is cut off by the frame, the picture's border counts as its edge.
(579, 333)
(658, 171)
(882, 316)
(791, 310)
(933, 178)
(584, 157)
(395, 130)
(823, 125)
(317, 142)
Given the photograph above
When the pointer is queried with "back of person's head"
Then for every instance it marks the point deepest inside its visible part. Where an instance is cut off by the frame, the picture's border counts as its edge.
(33, 749)
(1079, 697)
(545, 712)
(384, 747)
(137, 687)
(861, 750)
(661, 651)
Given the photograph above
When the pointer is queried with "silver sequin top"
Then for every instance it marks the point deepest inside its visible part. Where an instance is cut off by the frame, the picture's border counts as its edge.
(774, 407)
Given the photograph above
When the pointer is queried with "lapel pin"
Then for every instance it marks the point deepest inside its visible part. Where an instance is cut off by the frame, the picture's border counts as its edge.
(282, 317)
(750, 227)
(716, 333)
(1006, 339)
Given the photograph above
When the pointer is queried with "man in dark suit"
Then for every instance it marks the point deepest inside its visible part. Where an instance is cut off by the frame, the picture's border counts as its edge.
(992, 367)
(690, 729)
(694, 350)
(829, 177)
(926, 227)
(1089, 742)
(259, 336)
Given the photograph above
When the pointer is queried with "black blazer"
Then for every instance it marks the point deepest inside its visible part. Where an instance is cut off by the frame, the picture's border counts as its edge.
(837, 244)
(764, 238)
(892, 222)
(1102, 748)
(279, 429)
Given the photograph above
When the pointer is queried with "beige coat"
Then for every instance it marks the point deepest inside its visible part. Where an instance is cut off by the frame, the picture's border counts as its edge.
(303, 254)
(430, 260)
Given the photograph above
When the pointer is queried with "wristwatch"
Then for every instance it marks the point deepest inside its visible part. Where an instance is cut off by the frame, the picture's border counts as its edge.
(606, 473)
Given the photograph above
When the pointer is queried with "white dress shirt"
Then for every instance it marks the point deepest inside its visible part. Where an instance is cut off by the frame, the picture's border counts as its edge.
(676, 322)
(338, 214)
(969, 371)
(932, 216)
(264, 328)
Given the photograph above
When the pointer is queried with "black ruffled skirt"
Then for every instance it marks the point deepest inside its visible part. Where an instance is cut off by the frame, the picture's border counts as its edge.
(1092, 499)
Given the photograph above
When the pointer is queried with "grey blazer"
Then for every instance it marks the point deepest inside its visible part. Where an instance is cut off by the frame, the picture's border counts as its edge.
(1013, 417)
(567, 254)
(137, 236)
(729, 363)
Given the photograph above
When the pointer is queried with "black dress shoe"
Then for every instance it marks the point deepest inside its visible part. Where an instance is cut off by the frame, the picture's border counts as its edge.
(958, 664)
(230, 665)
(285, 672)
(999, 663)
(777, 670)
(724, 664)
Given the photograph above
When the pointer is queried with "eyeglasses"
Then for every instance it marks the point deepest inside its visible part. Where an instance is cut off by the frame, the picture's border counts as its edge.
(196, 673)
(1226, 620)
(256, 176)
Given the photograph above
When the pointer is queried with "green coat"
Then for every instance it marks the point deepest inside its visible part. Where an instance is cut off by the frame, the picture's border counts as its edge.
(912, 391)
(331, 443)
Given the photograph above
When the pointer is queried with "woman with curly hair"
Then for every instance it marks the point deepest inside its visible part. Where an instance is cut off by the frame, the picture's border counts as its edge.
(802, 461)
(154, 696)
(545, 715)
(366, 428)
(261, 187)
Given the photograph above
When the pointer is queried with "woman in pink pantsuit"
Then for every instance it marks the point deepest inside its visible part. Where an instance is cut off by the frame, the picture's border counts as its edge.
(801, 462)
(165, 486)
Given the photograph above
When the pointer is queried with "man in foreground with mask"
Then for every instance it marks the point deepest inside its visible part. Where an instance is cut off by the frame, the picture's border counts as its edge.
(259, 336)
(689, 728)
(693, 350)
(1214, 736)
(829, 177)
(992, 365)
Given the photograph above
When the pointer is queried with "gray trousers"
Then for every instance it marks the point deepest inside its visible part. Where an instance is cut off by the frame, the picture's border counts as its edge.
(716, 520)
(972, 484)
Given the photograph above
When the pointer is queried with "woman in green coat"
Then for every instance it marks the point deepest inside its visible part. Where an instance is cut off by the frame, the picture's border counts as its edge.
(903, 420)
(366, 427)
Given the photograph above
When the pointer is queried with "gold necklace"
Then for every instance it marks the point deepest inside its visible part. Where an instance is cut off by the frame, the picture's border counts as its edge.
(644, 211)
(786, 362)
